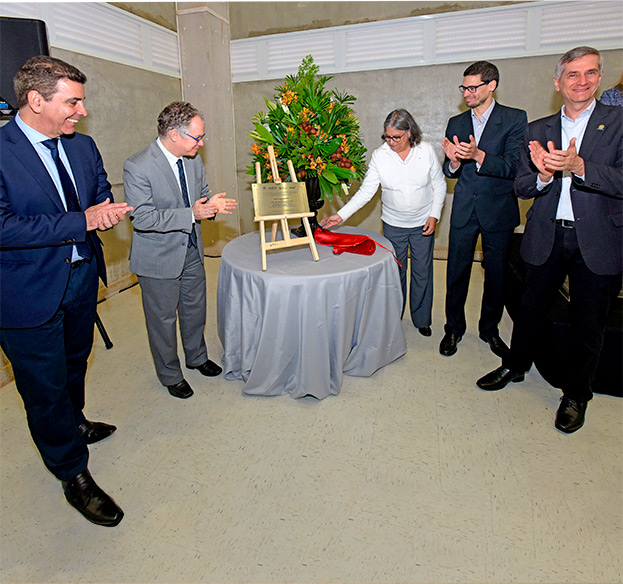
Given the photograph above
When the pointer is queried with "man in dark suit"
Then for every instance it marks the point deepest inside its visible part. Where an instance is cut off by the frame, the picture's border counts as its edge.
(572, 166)
(54, 195)
(166, 185)
(482, 148)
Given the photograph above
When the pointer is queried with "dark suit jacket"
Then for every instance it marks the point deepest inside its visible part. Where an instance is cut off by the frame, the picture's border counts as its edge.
(36, 233)
(597, 201)
(489, 190)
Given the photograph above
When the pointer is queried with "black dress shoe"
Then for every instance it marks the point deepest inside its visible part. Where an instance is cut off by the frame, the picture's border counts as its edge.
(181, 389)
(83, 494)
(425, 331)
(499, 378)
(95, 431)
(570, 415)
(209, 369)
(498, 346)
(448, 344)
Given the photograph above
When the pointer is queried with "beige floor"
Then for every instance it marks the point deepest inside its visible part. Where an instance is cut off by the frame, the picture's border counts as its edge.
(411, 475)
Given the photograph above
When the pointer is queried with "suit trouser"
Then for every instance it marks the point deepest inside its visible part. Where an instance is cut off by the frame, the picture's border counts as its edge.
(421, 289)
(461, 247)
(50, 363)
(166, 300)
(590, 298)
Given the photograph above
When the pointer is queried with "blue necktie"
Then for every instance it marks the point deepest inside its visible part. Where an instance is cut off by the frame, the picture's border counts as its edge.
(192, 240)
(71, 198)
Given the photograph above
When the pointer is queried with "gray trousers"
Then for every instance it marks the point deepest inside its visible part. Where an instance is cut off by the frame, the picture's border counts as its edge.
(164, 302)
(421, 292)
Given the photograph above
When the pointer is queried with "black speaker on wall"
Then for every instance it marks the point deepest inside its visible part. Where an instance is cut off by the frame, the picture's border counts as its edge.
(20, 39)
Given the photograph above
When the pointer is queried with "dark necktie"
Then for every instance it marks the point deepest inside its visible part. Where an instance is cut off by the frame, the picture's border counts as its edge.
(71, 198)
(192, 240)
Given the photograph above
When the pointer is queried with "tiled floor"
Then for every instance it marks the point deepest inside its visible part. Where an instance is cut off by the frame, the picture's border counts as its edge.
(411, 475)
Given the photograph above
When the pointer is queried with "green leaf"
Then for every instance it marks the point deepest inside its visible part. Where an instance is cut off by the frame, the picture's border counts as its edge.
(264, 134)
(330, 176)
(343, 172)
(325, 188)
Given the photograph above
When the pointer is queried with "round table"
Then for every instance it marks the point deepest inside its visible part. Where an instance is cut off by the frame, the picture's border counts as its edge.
(297, 327)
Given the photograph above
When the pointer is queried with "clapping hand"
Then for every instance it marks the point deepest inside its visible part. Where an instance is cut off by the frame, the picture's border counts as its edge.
(106, 215)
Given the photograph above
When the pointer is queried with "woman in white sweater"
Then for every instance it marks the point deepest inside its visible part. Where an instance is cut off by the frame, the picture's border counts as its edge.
(413, 192)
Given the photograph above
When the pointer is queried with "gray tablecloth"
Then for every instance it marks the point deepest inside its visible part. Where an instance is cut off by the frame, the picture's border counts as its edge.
(298, 327)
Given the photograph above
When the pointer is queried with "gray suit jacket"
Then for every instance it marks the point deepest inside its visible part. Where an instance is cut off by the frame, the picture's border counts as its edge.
(161, 221)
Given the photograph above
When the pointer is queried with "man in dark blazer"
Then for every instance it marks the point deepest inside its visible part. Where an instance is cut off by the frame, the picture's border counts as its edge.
(482, 148)
(572, 166)
(166, 185)
(54, 195)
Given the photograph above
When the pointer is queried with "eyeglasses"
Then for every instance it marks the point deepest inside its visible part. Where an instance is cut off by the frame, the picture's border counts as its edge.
(472, 88)
(195, 138)
(393, 139)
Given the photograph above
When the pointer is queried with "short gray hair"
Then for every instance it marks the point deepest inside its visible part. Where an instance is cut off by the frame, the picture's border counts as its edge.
(401, 119)
(574, 54)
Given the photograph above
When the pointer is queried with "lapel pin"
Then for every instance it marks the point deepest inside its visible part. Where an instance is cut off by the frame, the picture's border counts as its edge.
(601, 127)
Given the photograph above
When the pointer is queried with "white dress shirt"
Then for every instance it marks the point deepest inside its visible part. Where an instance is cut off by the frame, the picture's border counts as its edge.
(569, 129)
(45, 154)
(172, 160)
(412, 190)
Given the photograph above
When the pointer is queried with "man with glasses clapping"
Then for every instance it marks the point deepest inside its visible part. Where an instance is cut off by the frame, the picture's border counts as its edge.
(482, 147)
(166, 182)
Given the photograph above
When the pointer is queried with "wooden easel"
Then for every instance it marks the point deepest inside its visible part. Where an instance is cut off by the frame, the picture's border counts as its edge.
(283, 219)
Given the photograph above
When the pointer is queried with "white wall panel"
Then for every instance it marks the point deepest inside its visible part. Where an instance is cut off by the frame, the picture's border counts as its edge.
(519, 30)
(101, 30)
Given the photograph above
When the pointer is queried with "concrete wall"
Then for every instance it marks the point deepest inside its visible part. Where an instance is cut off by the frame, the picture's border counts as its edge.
(122, 104)
(162, 13)
(430, 94)
(204, 47)
(250, 19)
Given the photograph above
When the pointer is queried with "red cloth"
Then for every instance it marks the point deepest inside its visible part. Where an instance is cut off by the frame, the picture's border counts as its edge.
(342, 242)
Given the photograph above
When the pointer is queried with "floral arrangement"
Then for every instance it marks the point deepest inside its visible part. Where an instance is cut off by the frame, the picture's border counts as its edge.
(314, 128)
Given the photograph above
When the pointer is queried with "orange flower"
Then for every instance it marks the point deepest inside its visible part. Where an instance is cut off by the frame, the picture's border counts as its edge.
(255, 148)
(287, 97)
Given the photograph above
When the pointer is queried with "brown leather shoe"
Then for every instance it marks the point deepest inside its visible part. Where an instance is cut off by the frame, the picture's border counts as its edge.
(83, 494)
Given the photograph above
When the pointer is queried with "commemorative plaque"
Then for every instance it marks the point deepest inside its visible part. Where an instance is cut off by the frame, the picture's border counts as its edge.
(278, 202)
(279, 199)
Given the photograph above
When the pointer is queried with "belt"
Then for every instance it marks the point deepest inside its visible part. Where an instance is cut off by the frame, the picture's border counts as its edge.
(565, 223)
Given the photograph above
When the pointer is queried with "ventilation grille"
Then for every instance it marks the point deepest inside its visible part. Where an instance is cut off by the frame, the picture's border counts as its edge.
(531, 29)
(103, 31)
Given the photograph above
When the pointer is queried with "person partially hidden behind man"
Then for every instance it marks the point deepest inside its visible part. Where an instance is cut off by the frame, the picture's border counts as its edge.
(482, 148)
(166, 185)
(572, 166)
(54, 195)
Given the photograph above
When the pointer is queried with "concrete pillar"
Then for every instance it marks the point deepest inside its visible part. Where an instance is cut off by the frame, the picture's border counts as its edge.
(204, 35)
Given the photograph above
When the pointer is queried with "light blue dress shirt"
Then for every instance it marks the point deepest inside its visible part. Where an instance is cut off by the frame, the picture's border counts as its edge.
(36, 139)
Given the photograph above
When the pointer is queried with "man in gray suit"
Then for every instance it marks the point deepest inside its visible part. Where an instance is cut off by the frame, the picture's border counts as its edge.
(166, 184)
